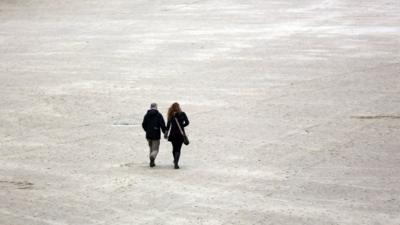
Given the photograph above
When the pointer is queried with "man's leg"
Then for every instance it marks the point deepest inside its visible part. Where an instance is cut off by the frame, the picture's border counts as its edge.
(154, 146)
(150, 148)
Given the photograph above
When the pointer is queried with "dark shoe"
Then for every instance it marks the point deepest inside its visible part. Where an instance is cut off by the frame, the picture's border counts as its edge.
(152, 164)
(176, 166)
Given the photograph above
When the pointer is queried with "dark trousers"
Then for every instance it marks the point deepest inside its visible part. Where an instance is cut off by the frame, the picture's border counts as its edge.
(176, 150)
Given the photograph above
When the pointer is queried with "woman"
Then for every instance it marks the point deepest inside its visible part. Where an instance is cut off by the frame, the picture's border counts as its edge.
(175, 136)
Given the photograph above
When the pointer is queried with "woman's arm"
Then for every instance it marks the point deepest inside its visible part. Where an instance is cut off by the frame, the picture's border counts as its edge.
(167, 129)
(185, 120)
(168, 125)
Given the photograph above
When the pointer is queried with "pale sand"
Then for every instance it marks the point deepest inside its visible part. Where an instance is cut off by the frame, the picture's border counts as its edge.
(294, 109)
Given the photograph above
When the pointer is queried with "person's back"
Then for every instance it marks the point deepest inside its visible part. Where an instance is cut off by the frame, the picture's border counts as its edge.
(152, 123)
(175, 134)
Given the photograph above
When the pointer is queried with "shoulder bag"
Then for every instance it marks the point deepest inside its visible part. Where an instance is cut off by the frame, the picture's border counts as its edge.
(185, 137)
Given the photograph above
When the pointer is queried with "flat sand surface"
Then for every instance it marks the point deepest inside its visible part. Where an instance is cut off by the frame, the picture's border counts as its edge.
(294, 110)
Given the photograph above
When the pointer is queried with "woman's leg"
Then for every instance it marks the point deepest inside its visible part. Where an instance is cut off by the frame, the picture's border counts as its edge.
(176, 152)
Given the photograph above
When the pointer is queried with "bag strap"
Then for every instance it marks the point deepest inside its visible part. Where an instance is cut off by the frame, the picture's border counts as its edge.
(179, 126)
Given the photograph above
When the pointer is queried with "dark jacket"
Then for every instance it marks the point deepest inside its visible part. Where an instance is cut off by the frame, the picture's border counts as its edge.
(153, 121)
(175, 134)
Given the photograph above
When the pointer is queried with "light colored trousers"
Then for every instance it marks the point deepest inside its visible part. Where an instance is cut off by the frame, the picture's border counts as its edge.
(154, 146)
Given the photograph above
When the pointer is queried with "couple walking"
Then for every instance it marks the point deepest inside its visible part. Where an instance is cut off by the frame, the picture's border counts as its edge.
(153, 122)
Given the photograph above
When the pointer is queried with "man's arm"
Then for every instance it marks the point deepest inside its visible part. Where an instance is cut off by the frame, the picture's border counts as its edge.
(144, 123)
(162, 124)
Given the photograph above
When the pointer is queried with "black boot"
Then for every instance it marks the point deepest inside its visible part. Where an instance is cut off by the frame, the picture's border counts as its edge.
(176, 159)
(152, 164)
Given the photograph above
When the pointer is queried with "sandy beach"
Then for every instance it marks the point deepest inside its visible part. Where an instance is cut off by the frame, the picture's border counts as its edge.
(294, 109)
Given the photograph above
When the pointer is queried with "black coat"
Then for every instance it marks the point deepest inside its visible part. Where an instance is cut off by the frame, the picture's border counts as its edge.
(153, 121)
(175, 134)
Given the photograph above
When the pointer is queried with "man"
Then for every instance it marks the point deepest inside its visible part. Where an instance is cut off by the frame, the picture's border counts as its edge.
(153, 121)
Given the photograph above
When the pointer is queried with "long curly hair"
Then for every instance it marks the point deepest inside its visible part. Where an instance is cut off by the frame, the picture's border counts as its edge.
(175, 108)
